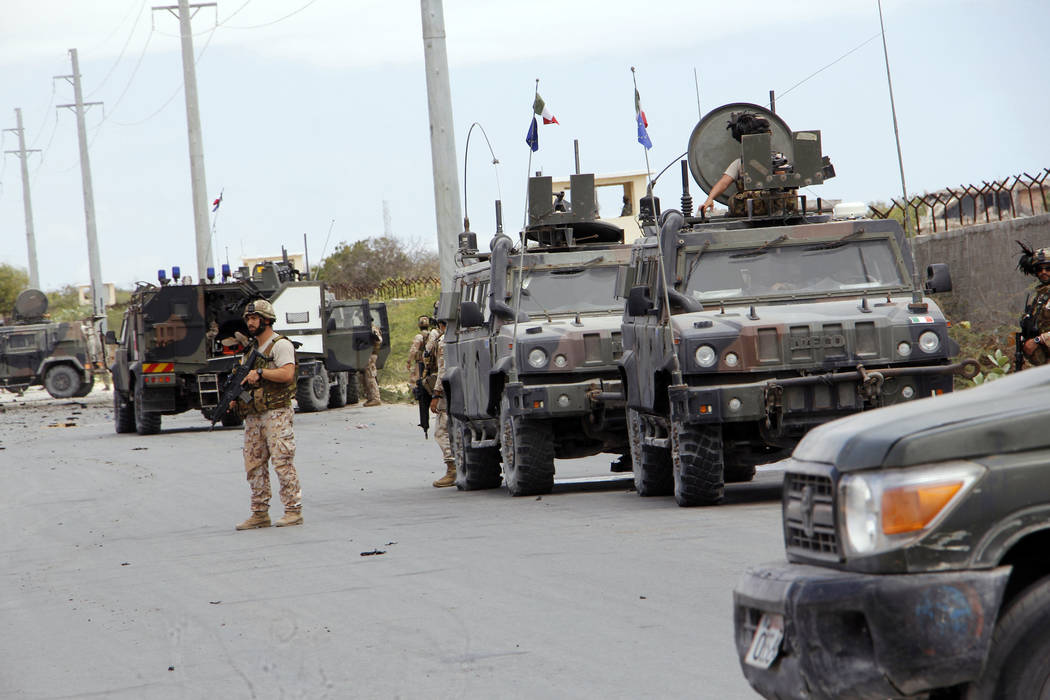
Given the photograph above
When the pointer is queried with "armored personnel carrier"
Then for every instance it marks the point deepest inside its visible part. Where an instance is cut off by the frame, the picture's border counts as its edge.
(178, 342)
(35, 351)
(531, 350)
(741, 332)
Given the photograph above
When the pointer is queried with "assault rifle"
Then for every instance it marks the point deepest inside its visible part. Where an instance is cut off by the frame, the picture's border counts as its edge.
(422, 397)
(1028, 330)
(232, 387)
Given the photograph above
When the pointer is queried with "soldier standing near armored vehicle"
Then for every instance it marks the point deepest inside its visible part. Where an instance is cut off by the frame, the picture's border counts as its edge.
(1034, 335)
(35, 350)
(531, 349)
(742, 332)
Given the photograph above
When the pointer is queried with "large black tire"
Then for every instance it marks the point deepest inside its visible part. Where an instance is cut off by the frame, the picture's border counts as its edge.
(527, 448)
(85, 387)
(353, 389)
(476, 467)
(61, 381)
(651, 465)
(698, 464)
(123, 413)
(337, 393)
(146, 423)
(312, 393)
(1018, 666)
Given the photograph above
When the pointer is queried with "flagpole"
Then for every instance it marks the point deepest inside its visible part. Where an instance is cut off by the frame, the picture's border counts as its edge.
(215, 220)
(648, 170)
(521, 256)
(528, 173)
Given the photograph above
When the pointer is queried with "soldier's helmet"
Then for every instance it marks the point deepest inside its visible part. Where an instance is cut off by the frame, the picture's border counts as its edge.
(260, 307)
(1030, 259)
(1041, 257)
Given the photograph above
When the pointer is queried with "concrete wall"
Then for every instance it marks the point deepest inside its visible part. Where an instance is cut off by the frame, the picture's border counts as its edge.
(987, 288)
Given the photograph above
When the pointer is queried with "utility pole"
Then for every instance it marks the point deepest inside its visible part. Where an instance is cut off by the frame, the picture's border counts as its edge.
(98, 302)
(442, 140)
(193, 126)
(23, 154)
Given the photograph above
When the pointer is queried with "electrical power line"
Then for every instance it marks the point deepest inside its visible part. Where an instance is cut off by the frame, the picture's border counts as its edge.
(267, 24)
(821, 70)
(124, 48)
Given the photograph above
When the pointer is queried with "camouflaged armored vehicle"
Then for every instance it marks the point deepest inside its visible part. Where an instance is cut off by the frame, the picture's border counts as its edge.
(743, 332)
(531, 351)
(178, 343)
(35, 351)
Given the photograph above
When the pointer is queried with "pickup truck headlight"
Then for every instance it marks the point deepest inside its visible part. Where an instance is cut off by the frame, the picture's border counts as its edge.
(884, 510)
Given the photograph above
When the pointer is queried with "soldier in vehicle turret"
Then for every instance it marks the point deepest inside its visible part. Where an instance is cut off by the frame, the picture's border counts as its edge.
(740, 125)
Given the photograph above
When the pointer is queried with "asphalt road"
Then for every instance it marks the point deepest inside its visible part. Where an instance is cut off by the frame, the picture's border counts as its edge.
(122, 575)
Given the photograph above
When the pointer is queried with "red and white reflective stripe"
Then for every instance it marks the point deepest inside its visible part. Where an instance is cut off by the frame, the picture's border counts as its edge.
(158, 366)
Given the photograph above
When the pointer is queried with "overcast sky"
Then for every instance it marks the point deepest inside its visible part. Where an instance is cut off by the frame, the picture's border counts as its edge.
(314, 112)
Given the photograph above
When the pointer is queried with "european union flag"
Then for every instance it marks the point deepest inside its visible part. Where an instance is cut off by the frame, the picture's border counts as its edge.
(533, 137)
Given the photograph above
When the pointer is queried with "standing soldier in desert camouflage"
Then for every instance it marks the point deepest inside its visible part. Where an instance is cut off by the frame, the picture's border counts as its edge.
(435, 365)
(371, 373)
(268, 433)
(415, 351)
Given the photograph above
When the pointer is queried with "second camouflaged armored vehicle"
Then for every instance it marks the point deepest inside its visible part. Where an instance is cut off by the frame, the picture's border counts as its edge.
(526, 387)
(743, 332)
(37, 351)
(178, 342)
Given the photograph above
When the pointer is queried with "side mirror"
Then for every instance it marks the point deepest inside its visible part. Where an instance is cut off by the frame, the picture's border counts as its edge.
(638, 301)
(111, 338)
(938, 279)
(470, 315)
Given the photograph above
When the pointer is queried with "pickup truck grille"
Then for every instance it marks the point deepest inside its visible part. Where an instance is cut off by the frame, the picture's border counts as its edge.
(809, 516)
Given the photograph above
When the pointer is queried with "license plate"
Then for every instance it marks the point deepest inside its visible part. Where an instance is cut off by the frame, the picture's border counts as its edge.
(765, 645)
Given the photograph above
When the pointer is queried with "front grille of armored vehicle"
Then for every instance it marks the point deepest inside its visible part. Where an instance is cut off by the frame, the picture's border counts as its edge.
(809, 516)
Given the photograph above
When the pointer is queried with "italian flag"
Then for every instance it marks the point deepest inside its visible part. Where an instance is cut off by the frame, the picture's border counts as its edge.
(540, 108)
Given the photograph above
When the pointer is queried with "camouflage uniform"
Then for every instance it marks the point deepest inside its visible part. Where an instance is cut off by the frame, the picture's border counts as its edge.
(371, 383)
(415, 356)
(435, 347)
(1039, 310)
(269, 437)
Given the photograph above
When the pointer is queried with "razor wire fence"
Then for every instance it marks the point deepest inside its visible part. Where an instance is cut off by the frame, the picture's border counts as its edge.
(966, 205)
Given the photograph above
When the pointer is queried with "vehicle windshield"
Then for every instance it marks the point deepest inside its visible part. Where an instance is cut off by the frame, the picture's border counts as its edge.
(568, 290)
(792, 270)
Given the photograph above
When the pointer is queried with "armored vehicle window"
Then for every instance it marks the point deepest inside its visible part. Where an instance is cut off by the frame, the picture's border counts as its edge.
(569, 290)
(20, 340)
(794, 270)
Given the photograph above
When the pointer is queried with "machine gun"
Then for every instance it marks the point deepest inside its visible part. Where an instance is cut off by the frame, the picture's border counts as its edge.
(1028, 330)
(232, 387)
(422, 397)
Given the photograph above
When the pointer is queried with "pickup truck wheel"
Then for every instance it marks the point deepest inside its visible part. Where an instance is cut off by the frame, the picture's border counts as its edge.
(696, 459)
(353, 389)
(146, 422)
(337, 394)
(311, 393)
(476, 467)
(651, 465)
(61, 381)
(527, 448)
(123, 413)
(1017, 664)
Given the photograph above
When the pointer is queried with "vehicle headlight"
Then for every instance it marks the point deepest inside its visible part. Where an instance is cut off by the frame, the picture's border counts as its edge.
(929, 341)
(538, 357)
(904, 348)
(560, 361)
(706, 356)
(732, 360)
(889, 509)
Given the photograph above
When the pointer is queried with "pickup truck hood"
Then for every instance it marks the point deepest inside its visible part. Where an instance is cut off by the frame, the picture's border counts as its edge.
(1007, 415)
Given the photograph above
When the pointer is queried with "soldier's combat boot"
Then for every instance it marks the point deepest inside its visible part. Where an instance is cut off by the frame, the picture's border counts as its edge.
(260, 518)
(291, 517)
(450, 476)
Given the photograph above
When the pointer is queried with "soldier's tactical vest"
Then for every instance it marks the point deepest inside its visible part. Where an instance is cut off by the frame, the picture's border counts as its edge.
(271, 395)
(1039, 311)
(430, 367)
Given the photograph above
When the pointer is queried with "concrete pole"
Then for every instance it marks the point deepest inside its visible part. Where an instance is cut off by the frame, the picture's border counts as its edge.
(23, 154)
(98, 301)
(442, 139)
(193, 125)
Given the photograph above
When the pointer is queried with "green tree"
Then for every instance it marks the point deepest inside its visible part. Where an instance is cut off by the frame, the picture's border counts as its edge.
(13, 281)
(368, 262)
(64, 304)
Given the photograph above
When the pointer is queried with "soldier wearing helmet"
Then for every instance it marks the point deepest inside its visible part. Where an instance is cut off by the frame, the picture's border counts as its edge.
(1035, 324)
(268, 432)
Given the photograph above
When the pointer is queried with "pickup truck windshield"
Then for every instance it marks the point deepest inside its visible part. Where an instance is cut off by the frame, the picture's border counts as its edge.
(792, 269)
(568, 290)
